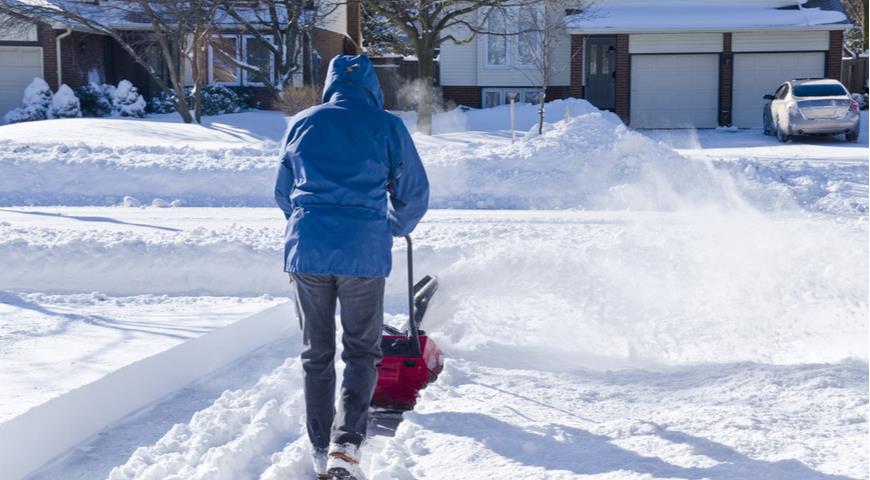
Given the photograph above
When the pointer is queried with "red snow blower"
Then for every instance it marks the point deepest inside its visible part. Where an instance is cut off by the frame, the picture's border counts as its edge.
(411, 359)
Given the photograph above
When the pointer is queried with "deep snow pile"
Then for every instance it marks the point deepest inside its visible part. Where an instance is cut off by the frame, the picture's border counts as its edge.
(591, 161)
(585, 159)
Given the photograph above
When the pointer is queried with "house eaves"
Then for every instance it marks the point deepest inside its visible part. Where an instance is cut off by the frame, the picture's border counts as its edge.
(683, 16)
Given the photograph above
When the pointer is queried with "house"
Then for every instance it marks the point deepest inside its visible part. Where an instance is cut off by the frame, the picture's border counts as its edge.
(666, 64)
(65, 53)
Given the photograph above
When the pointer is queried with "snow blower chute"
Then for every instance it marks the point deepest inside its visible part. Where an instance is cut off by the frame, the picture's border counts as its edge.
(411, 359)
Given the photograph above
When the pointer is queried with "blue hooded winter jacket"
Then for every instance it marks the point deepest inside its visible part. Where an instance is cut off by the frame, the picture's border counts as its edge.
(350, 178)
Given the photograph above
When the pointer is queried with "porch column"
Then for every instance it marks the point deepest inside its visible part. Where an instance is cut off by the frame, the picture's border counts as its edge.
(576, 89)
(622, 105)
(726, 81)
(834, 57)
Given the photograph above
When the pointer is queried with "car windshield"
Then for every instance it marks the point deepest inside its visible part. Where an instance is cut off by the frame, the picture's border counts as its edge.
(818, 90)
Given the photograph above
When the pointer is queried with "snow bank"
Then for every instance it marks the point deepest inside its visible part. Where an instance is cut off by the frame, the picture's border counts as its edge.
(591, 161)
(232, 260)
(494, 119)
(586, 159)
(32, 439)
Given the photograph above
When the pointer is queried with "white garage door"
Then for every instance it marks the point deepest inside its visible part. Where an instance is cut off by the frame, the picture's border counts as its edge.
(759, 74)
(18, 67)
(674, 91)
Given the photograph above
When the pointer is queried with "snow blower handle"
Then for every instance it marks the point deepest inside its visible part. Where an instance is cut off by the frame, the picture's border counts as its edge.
(413, 331)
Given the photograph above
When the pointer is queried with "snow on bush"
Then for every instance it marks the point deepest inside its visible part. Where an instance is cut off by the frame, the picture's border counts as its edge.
(162, 103)
(37, 103)
(38, 93)
(94, 100)
(127, 100)
(216, 100)
(65, 104)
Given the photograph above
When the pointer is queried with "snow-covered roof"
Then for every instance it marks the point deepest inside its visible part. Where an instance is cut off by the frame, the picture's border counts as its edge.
(120, 14)
(705, 15)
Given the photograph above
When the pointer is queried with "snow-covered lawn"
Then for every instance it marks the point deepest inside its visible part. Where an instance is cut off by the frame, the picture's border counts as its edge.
(611, 307)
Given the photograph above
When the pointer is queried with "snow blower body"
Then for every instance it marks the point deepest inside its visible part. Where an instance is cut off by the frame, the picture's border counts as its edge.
(411, 359)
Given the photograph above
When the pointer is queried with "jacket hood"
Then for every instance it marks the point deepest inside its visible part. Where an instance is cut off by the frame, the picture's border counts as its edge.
(353, 77)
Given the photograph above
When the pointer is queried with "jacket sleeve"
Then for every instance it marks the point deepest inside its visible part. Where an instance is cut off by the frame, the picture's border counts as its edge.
(284, 185)
(408, 184)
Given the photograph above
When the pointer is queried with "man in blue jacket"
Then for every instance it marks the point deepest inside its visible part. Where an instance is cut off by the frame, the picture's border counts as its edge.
(350, 179)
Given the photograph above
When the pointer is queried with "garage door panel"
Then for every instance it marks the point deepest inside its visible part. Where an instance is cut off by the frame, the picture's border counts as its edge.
(759, 74)
(674, 91)
(18, 67)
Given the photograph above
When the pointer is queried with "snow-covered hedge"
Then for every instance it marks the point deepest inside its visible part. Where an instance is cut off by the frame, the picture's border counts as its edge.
(95, 102)
(65, 104)
(36, 103)
(92, 100)
(127, 100)
(216, 100)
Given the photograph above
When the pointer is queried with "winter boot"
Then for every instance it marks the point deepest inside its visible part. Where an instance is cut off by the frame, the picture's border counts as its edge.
(319, 458)
(343, 462)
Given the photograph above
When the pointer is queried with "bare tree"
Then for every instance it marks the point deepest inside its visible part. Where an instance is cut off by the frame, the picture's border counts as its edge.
(428, 24)
(542, 35)
(279, 28)
(177, 28)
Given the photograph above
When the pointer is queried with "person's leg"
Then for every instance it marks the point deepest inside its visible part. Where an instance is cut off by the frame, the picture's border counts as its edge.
(362, 318)
(315, 304)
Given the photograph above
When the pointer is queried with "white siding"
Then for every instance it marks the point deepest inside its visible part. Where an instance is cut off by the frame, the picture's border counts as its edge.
(458, 62)
(675, 43)
(19, 32)
(780, 41)
(336, 21)
(465, 64)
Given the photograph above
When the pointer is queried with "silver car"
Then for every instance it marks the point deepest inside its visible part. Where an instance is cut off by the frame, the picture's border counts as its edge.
(811, 107)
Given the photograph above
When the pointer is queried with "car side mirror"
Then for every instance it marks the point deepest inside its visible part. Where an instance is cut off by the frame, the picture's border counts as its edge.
(769, 97)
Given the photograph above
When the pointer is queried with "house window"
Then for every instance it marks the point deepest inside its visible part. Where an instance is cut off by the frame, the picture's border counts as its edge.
(222, 71)
(496, 45)
(527, 40)
(258, 54)
(493, 97)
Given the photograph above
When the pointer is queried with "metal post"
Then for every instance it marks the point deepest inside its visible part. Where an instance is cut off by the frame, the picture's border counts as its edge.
(513, 98)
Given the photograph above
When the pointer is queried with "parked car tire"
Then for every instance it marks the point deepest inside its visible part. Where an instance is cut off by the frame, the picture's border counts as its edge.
(782, 136)
(767, 121)
(852, 137)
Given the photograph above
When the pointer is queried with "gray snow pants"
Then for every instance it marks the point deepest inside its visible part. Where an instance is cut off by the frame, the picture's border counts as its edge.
(362, 318)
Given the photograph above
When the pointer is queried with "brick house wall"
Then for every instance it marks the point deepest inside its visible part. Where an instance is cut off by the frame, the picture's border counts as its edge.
(622, 102)
(726, 81)
(834, 56)
(46, 38)
(83, 58)
(472, 96)
(576, 88)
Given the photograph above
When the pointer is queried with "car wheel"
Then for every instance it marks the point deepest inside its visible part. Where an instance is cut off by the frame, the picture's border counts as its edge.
(766, 121)
(781, 135)
(852, 137)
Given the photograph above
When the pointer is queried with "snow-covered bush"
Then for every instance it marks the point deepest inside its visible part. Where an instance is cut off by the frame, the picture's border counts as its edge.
(94, 101)
(162, 103)
(37, 103)
(861, 98)
(38, 94)
(127, 100)
(218, 100)
(65, 104)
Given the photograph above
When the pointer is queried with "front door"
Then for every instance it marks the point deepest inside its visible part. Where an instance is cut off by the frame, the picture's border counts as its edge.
(600, 77)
